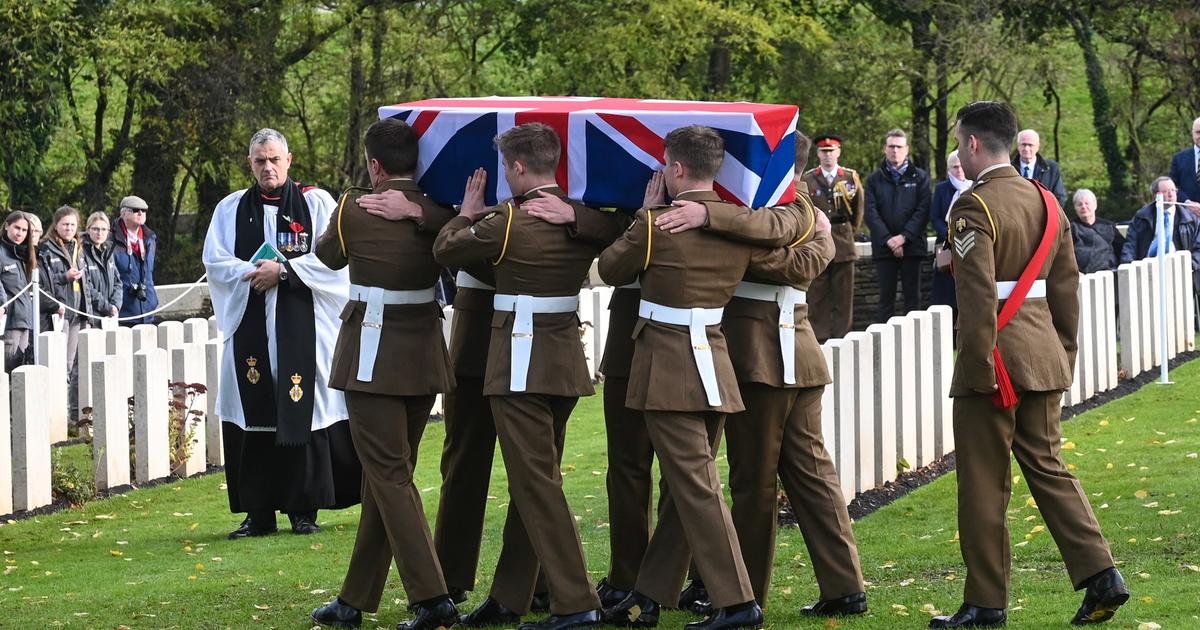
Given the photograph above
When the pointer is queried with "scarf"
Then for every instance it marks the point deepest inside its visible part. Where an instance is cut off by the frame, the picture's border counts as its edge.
(960, 186)
(134, 240)
(287, 405)
(896, 171)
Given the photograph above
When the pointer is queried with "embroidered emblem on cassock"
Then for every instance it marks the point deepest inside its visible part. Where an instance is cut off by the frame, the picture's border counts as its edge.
(252, 374)
(964, 242)
(295, 392)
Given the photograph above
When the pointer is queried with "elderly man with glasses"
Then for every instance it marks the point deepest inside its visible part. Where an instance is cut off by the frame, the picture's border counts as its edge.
(134, 247)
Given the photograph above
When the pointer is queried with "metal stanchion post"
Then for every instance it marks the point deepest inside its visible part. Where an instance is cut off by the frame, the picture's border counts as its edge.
(1160, 220)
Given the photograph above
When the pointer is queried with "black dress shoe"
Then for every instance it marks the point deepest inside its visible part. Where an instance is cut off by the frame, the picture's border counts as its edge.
(431, 615)
(1106, 591)
(305, 523)
(969, 616)
(695, 592)
(458, 595)
(748, 615)
(338, 614)
(635, 611)
(540, 603)
(585, 619)
(489, 613)
(609, 596)
(253, 527)
(855, 604)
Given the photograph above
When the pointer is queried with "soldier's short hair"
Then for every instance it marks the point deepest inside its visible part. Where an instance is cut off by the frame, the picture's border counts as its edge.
(895, 133)
(536, 145)
(700, 149)
(993, 122)
(803, 144)
(393, 143)
(265, 135)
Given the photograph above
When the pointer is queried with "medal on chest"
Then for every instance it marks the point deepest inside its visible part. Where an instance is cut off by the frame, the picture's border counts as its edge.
(294, 241)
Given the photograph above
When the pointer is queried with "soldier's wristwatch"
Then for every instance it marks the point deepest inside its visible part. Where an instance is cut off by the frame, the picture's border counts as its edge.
(283, 273)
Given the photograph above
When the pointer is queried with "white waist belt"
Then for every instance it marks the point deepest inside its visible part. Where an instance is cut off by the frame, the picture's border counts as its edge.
(695, 319)
(1005, 289)
(372, 324)
(787, 298)
(465, 280)
(522, 333)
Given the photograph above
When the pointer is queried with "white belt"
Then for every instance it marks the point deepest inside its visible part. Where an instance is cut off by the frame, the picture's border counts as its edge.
(1005, 289)
(522, 333)
(787, 298)
(465, 280)
(372, 324)
(695, 319)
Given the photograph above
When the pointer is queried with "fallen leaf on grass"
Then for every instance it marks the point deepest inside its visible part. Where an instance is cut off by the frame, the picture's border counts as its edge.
(906, 581)
(1141, 494)
(1149, 625)
(115, 553)
(262, 607)
(1147, 600)
(105, 517)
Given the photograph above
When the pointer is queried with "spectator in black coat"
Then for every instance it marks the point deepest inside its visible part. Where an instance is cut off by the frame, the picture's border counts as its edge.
(14, 275)
(1185, 229)
(897, 212)
(1031, 165)
(100, 268)
(1097, 242)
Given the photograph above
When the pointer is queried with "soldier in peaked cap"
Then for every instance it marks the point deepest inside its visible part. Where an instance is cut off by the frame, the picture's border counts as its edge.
(837, 191)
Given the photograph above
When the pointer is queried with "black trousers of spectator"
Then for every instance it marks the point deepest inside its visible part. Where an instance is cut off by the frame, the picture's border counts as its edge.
(909, 270)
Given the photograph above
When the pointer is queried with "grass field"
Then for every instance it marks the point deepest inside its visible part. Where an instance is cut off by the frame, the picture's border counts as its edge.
(158, 558)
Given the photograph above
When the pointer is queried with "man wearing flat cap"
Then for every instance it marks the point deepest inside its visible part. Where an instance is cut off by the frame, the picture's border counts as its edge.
(838, 192)
(134, 248)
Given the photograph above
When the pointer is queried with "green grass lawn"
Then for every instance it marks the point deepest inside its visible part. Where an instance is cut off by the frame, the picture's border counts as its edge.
(158, 557)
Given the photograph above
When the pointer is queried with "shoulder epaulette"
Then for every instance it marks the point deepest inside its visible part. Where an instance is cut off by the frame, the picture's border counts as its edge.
(809, 172)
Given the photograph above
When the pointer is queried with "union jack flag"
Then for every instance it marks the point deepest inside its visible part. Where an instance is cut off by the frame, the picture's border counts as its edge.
(610, 145)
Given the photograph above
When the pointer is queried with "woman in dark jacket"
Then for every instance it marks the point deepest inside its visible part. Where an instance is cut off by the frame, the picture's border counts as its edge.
(100, 269)
(60, 257)
(1097, 242)
(14, 275)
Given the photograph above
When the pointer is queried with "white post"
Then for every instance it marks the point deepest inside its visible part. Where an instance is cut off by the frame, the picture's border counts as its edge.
(602, 295)
(863, 387)
(828, 408)
(195, 330)
(30, 437)
(943, 372)
(213, 331)
(1103, 333)
(1149, 314)
(1130, 322)
(906, 389)
(187, 366)
(843, 406)
(91, 350)
(111, 429)
(1110, 319)
(883, 366)
(1163, 239)
(923, 341)
(144, 336)
(150, 400)
(52, 354)
(213, 348)
(1189, 314)
(1083, 340)
(6, 444)
(119, 341)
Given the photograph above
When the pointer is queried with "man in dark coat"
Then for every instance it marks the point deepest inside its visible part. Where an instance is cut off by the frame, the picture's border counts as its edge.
(897, 211)
(1031, 165)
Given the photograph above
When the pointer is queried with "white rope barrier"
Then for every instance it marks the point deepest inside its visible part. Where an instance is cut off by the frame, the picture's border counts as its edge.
(161, 307)
(17, 296)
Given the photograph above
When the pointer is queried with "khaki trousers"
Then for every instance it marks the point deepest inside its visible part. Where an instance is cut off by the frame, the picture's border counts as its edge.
(387, 432)
(531, 429)
(831, 301)
(983, 437)
(467, 455)
(629, 483)
(694, 522)
(779, 435)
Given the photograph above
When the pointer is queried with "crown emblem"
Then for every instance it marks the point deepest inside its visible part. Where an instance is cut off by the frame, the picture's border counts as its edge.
(295, 393)
(252, 374)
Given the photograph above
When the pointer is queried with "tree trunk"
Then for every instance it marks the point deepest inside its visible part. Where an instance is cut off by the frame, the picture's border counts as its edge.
(720, 67)
(354, 163)
(941, 120)
(155, 164)
(919, 146)
(1106, 129)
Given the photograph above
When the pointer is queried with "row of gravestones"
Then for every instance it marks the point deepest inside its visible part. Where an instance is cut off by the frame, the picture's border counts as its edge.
(1140, 320)
(114, 366)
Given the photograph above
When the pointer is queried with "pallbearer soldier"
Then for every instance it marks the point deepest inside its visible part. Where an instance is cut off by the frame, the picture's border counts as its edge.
(391, 361)
(683, 382)
(837, 192)
(999, 409)
(536, 371)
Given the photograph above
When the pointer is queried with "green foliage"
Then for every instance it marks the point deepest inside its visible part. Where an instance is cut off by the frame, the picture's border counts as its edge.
(69, 483)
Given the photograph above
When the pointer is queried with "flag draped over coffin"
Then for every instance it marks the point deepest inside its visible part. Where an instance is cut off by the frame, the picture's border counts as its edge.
(611, 145)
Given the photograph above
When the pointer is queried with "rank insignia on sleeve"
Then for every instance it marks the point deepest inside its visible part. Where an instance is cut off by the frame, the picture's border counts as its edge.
(964, 242)
(295, 393)
(960, 224)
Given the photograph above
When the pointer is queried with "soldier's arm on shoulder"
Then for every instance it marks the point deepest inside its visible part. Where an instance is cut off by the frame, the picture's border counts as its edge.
(972, 244)
(461, 242)
(331, 247)
(796, 264)
(600, 227)
(624, 260)
(766, 227)
(434, 216)
(1062, 285)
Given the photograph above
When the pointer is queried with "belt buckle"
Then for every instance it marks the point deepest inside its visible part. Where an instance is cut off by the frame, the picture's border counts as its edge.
(371, 325)
(520, 335)
(789, 326)
(702, 347)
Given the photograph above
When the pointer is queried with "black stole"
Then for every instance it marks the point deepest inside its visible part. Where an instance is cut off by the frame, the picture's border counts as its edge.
(287, 405)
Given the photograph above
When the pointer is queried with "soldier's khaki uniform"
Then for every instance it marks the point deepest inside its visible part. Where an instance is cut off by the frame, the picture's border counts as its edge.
(534, 258)
(843, 200)
(388, 412)
(690, 270)
(994, 229)
(779, 434)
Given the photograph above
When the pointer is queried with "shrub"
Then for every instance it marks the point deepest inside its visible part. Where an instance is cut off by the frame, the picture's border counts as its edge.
(68, 483)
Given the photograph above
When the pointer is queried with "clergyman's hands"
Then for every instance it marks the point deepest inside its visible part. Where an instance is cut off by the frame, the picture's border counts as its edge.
(472, 205)
(265, 275)
(391, 205)
(550, 208)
